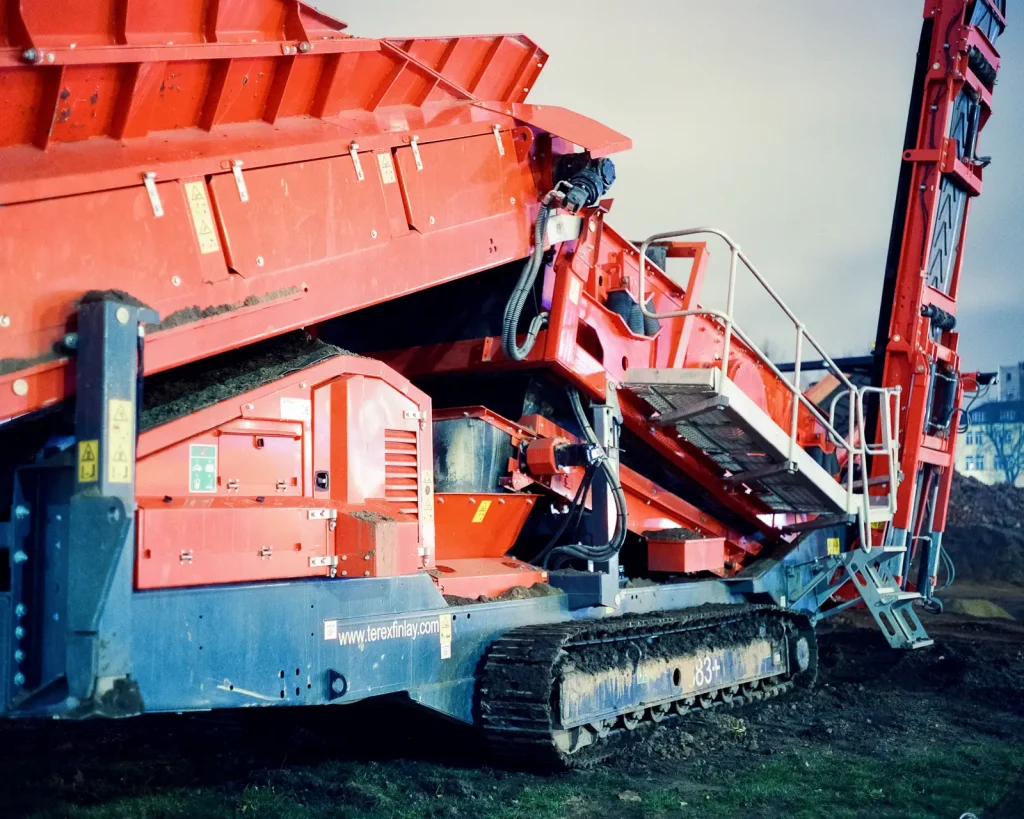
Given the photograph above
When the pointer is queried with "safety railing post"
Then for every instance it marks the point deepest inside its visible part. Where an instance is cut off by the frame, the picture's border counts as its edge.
(730, 299)
(797, 394)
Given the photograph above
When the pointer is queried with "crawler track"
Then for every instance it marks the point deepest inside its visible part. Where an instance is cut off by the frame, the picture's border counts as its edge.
(530, 673)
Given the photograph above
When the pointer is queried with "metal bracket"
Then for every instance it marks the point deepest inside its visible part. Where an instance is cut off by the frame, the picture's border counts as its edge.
(497, 138)
(353, 151)
(236, 170)
(321, 514)
(321, 562)
(415, 415)
(266, 551)
(149, 180)
(415, 145)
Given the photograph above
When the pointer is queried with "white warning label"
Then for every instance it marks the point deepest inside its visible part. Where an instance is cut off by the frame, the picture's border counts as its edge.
(202, 217)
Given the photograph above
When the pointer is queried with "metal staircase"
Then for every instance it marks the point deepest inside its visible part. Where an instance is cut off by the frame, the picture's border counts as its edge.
(711, 412)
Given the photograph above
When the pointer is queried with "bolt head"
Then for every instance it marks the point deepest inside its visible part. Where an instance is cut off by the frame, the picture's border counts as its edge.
(20, 511)
(30, 55)
(19, 632)
(71, 341)
(373, 234)
(431, 220)
(19, 679)
(5, 321)
(20, 610)
(304, 46)
(259, 261)
(19, 655)
(176, 281)
(366, 573)
(512, 200)
(122, 315)
(20, 387)
(338, 685)
(50, 57)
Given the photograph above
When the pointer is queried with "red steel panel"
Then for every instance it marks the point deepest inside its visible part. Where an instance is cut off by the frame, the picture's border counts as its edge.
(460, 181)
(299, 214)
(479, 525)
(200, 541)
(502, 68)
(488, 577)
(686, 556)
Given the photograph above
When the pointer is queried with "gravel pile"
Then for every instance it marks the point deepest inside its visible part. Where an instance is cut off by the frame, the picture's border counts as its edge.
(985, 531)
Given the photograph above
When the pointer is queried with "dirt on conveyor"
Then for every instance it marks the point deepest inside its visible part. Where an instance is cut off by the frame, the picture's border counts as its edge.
(188, 389)
(985, 531)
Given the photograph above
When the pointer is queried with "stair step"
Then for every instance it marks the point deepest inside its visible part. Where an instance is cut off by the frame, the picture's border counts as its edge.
(716, 416)
(899, 596)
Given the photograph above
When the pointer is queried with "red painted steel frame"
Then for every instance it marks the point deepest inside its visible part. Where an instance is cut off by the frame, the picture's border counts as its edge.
(264, 515)
(649, 507)
(384, 165)
(911, 348)
(592, 347)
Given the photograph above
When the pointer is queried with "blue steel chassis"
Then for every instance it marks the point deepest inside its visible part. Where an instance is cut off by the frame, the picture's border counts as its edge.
(76, 640)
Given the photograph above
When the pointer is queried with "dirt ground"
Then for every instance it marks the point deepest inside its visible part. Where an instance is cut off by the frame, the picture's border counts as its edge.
(936, 733)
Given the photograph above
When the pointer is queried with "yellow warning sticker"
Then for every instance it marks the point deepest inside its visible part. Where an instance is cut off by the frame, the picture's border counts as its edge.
(481, 513)
(202, 217)
(120, 440)
(445, 627)
(833, 545)
(387, 168)
(88, 461)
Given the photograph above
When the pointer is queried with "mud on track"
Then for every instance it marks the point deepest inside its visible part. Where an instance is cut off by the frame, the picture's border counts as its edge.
(884, 734)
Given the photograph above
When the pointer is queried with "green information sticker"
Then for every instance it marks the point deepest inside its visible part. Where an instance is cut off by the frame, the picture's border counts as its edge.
(202, 468)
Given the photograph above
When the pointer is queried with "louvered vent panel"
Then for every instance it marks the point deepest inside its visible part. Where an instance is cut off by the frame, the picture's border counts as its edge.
(401, 470)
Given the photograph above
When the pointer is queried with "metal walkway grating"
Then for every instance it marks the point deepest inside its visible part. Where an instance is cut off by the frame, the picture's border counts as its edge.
(714, 415)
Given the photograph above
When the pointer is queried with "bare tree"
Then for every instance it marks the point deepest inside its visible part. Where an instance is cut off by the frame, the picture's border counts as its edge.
(1006, 440)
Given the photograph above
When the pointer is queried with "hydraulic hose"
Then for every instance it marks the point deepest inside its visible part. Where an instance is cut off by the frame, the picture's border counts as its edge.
(606, 551)
(527, 279)
(571, 518)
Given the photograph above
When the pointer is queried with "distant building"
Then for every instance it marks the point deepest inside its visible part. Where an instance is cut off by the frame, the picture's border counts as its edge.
(992, 448)
(1009, 386)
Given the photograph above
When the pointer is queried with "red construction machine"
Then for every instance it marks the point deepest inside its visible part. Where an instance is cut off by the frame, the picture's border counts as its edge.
(324, 376)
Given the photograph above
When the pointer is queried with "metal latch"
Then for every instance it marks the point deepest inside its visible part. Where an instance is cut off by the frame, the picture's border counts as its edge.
(497, 138)
(353, 151)
(232, 484)
(415, 145)
(186, 557)
(321, 562)
(281, 485)
(266, 551)
(149, 180)
(415, 415)
(236, 170)
(330, 515)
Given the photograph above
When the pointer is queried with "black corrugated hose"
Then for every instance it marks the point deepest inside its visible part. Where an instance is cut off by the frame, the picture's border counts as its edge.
(581, 551)
(516, 302)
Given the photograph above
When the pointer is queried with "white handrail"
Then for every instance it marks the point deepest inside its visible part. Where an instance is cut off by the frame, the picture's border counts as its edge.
(855, 443)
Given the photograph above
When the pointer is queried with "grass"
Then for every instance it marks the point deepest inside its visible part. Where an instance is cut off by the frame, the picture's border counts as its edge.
(971, 777)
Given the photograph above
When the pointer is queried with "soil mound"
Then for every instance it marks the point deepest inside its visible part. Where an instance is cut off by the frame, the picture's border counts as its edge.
(985, 531)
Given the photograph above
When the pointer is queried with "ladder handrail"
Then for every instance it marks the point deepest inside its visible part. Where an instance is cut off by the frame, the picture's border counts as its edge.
(856, 441)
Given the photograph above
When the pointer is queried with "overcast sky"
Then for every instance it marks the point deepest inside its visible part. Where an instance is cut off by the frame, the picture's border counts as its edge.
(781, 122)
